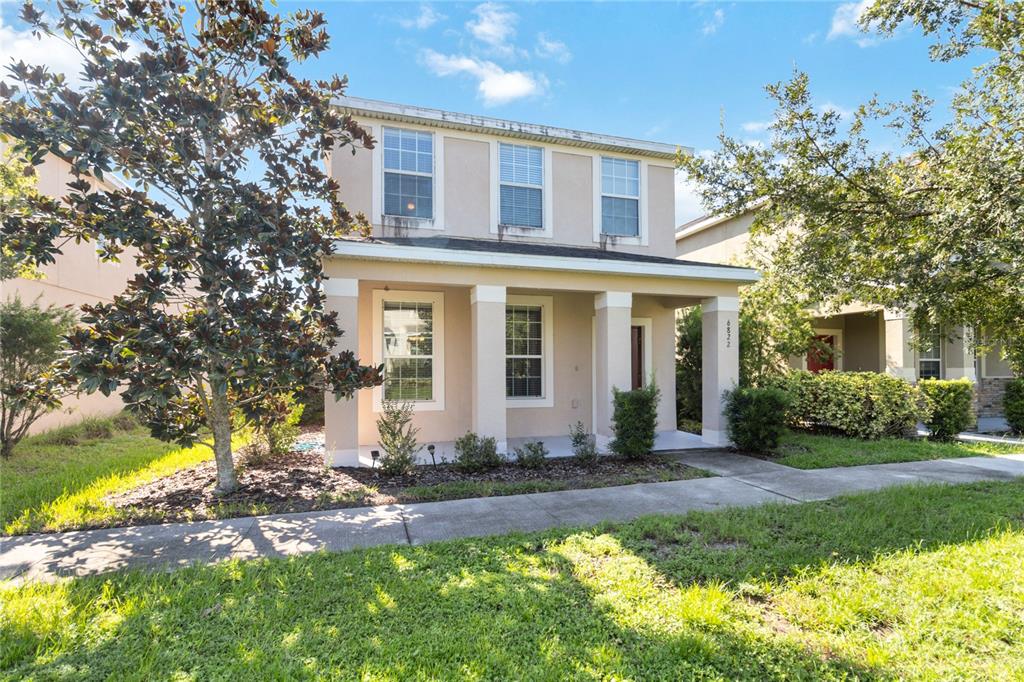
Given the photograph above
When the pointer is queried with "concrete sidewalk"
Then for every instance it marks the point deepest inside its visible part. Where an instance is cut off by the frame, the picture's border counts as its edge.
(742, 482)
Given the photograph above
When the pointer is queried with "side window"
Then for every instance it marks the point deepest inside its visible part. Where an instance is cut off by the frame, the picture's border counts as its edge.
(929, 359)
(408, 173)
(620, 197)
(521, 176)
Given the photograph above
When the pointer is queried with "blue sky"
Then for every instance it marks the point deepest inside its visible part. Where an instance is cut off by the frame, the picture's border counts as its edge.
(659, 70)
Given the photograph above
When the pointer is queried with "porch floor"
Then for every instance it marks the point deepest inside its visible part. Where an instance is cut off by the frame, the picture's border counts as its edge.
(558, 446)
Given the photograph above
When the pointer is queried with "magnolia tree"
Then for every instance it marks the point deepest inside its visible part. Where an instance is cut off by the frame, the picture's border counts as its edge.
(937, 228)
(199, 108)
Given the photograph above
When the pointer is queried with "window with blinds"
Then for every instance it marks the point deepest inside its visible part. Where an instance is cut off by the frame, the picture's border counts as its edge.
(521, 176)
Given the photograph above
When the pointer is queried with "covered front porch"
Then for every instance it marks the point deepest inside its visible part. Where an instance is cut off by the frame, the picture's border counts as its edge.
(520, 347)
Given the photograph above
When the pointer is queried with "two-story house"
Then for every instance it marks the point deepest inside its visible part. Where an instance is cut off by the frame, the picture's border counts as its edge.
(867, 338)
(516, 274)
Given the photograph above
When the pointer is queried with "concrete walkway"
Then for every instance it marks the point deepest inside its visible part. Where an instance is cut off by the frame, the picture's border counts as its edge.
(741, 482)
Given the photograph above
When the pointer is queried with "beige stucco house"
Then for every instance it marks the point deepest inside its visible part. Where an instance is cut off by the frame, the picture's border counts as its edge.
(77, 276)
(865, 338)
(516, 274)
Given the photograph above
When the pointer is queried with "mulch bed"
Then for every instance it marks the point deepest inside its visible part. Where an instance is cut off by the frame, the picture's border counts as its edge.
(299, 481)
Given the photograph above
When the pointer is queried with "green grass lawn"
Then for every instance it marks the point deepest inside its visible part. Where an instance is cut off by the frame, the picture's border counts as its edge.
(910, 583)
(813, 451)
(58, 480)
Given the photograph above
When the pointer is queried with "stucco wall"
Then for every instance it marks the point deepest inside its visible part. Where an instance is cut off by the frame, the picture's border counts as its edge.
(465, 189)
(77, 276)
(724, 243)
(861, 343)
(572, 314)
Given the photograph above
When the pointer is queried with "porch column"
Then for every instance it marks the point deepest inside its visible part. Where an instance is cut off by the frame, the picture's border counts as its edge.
(341, 417)
(720, 363)
(612, 360)
(958, 355)
(899, 350)
(487, 303)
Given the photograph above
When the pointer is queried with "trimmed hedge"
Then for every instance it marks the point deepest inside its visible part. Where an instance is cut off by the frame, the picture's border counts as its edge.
(756, 418)
(634, 421)
(1013, 405)
(949, 406)
(858, 404)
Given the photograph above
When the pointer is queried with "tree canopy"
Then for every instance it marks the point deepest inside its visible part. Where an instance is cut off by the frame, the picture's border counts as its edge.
(936, 228)
(228, 214)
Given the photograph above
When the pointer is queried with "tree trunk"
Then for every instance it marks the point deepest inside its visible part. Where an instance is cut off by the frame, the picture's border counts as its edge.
(220, 422)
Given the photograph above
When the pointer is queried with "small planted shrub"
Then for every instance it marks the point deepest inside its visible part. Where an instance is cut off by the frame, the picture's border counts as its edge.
(1013, 405)
(634, 420)
(948, 406)
(397, 438)
(856, 404)
(276, 430)
(756, 418)
(584, 444)
(476, 453)
(531, 455)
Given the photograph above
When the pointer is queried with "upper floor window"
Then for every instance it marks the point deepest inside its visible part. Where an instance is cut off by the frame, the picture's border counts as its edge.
(929, 357)
(521, 175)
(620, 197)
(408, 173)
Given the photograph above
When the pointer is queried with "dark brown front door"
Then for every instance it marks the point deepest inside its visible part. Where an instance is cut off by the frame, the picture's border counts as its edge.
(636, 338)
(821, 360)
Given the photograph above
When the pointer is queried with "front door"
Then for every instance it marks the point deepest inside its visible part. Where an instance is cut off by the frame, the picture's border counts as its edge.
(821, 360)
(636, 343)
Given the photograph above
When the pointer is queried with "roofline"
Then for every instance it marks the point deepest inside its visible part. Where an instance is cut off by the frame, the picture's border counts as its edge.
(424, 254)
(530, 131)
(710, 220)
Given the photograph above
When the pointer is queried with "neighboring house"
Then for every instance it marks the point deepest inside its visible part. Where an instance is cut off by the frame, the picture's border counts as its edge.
(76, 277)
(516, 274)
(865, 338)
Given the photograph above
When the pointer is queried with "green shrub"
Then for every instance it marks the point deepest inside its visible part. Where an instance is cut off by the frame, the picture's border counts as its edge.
(312, 407)
(277, 430)
(1013, 404)
(584, 444)
(857, 404)
(531, 455)
(756, 418)
(90, 428)
(948, 405)
(634, 421)
(397, 438)
(476, 453)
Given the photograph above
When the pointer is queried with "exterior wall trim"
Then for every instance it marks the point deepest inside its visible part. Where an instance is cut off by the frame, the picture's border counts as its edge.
(419, 254)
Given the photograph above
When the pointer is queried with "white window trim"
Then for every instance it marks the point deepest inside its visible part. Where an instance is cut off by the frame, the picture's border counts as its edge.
(648, 325)
(546, 304)
(941, 360)
(377, 190)
(436, 298)
(642, 208)
(823, 331)
(547, 230)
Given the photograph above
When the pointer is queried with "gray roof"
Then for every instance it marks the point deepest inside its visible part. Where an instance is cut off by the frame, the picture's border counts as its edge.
(532, 249)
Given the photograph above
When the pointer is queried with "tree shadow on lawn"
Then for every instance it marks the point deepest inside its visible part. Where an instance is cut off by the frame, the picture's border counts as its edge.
(621, 601)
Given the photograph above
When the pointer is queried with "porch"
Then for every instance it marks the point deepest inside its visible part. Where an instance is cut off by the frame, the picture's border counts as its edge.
(520, 346)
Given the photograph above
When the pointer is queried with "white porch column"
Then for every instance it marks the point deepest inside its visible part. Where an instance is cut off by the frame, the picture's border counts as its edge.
(612, 358)
(487, 303)
(899, 350)
(958, 355)
(341, 417)
(720, 363)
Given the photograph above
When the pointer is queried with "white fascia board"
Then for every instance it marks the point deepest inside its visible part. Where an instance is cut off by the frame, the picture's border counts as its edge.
(420, 254)
(529, 131)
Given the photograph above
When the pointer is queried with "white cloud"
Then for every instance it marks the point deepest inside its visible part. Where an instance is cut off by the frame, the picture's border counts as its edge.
(495, 26)
(842, 111)
(427, 17)
(552, 49)
(846, 23)
(755, 126)
(714, 22)
(495, 84)
(55, 54)
(688, 203)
